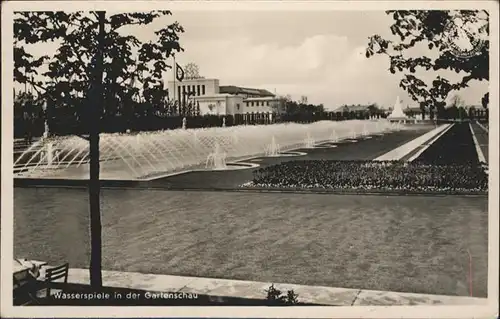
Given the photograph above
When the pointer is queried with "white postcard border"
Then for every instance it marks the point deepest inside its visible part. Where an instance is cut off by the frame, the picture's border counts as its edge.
(7, 310)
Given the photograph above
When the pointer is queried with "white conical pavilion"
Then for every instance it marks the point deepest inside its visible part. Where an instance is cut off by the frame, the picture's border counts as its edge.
(397, 112)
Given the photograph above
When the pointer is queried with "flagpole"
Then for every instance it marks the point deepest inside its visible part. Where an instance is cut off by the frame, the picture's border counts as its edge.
(175, 75)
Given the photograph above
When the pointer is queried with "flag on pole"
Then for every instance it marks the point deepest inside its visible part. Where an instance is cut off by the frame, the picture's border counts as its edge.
(179, 72)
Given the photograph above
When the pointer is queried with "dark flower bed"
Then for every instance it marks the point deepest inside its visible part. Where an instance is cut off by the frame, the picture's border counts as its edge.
(371, 175)
(456, 146)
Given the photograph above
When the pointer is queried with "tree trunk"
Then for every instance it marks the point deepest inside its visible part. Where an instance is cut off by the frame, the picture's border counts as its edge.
(94, 185)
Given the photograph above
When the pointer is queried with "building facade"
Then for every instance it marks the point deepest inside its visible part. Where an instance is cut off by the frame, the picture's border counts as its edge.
(188, 89)
(213, 99)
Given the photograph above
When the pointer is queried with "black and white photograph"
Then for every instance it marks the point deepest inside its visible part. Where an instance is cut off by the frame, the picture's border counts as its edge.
(271, 156)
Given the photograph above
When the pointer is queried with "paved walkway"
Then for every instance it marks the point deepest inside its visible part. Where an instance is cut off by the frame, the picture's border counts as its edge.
(484, 128)
(411, 146)
(410, 157)
(482, 139)
(256, 290)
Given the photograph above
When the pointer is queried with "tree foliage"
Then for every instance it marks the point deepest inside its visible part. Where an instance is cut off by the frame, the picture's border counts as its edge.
(95, 66)
(457, 101)
(294, 107)
(435, 30)
(485, 100)
(126, 58)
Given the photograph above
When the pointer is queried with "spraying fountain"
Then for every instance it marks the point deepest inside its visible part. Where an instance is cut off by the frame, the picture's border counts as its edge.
(387, 127)
(399, 125)
(46, 129)
(334, 137)
(354, 136)
(309, 142)
(217, 159)
(366, 133)
(147, 155)
(235, 139)
(48, 151)
(378, 130)
(273, 149)
(330, 143)
(195, 138)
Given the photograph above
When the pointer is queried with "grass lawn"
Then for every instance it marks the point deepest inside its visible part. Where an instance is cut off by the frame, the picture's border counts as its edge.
(398, 243)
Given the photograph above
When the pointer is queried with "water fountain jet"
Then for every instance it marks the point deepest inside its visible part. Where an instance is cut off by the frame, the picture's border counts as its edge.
(151, 154)
(354, 136)
(309, 141)
(366, 133)
(334, 137)
(217, 159)
(273, 149)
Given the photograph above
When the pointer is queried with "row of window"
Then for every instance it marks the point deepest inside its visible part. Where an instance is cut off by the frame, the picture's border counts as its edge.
(257, 103)
(256, 113)
(193, 90)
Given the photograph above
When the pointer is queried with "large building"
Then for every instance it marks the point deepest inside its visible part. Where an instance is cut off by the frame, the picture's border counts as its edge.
(214, 99)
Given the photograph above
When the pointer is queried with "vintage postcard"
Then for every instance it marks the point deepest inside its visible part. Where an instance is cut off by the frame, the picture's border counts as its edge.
(250, 159)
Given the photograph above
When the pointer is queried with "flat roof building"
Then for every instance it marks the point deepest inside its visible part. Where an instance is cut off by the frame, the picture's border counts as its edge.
(214, 99)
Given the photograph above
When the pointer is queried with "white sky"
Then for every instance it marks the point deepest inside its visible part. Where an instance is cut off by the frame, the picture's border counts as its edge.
(317, 54)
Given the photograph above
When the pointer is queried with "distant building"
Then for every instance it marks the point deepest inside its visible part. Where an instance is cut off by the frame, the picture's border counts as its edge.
(366, 109)
(214, 99)
(182, 92)
(353, 108)
(246, 92)
(473, 107)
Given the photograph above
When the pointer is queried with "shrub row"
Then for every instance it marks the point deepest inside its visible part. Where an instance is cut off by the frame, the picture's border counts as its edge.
(67, 121)
(370, 175)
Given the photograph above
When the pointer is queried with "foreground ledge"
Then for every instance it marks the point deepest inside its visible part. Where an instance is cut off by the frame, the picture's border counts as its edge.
(117, 184)
(228, 291)
(352, 191)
